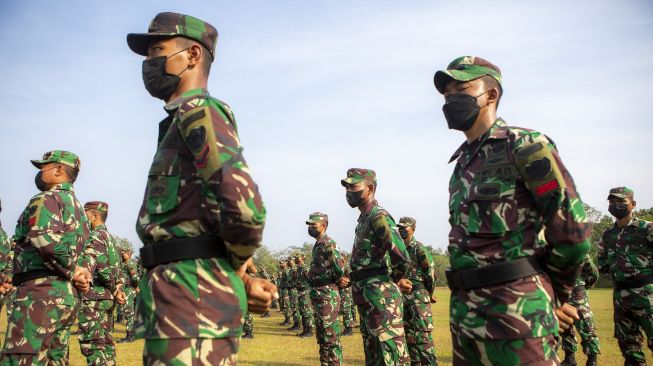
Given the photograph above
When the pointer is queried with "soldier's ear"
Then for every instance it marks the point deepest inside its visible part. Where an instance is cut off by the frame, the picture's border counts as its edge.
(194, 55)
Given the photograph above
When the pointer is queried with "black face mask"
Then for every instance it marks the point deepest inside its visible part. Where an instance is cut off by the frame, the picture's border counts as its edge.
(312, 231)
(157, 81)
(461, 110)
(618, 210)
(40, 184)
(403, 233)
(355, 198)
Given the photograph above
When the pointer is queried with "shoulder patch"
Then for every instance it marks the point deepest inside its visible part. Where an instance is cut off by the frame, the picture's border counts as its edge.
(538, 167)
(531, 149)
(197, 129)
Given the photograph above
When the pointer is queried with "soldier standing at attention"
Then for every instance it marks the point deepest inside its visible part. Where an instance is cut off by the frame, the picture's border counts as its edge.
(202, 216)
(304, 298)
(293, 294)
(374, 284)
(347, 307)
(626, 253)
(585, 325)
(418, 317)
(324, 275)
(50, 236)
(101, 260)
(284, 297)
(130, 279)
(508, 184)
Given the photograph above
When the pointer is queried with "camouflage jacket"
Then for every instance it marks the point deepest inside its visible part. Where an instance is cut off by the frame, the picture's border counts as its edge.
(50, 235)
(378, 244)
(289, 278)
(199, 184)
(325, 261)
(130, 274)
(5, 249)
(506, 187)
(627, 253)
(589, 274)
(301, 279)
(421, 269)
(101, 259)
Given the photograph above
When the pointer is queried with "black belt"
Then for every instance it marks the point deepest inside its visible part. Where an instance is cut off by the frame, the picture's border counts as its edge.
(320, 282)
(640, 282)
(20, 278)
(178, 249)
(363, 274)
(492, 275)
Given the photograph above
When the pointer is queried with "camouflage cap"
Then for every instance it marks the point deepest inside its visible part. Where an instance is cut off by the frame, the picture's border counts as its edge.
(58, 156)
(466, 68)
(407, 221)
(317, 217)
(357, 175)
(622, 192)
(174, 25)
(97, 205)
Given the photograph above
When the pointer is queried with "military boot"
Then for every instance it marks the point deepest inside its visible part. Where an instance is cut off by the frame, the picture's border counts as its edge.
(286, 321)
(592, 360)
(309, 332)
(294, 327)
(266, 315)
(128, 338)
(348, 331)
(570, 359)
(303, 329)
(248, 335)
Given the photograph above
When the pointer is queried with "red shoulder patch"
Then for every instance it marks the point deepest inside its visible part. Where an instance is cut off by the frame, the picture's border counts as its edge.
(546, 188)
(202, 157)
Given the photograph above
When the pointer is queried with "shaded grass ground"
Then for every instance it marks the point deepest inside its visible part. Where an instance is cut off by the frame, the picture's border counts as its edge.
(273, 345)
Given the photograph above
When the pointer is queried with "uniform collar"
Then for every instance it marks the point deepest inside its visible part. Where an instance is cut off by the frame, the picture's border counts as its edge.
(101, 227)
(634, 221)
(185, 97)
(62, 187)
(495, 132)
(412, 242)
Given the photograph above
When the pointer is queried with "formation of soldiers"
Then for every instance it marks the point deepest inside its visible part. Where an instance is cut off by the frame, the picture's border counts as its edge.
(517, 247)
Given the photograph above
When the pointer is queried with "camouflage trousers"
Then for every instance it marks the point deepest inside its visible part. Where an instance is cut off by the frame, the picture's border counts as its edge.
(128, 308)
(326, 301)
(7, 300)
(191, 351)
(633, 313)
(38, 331)
(284, 302)
(119, 311)
(585, 326)
(418, 325)
(248, 327)
(293, 294)
(306, 308)
(347, 308)
(95, 326)
(380, 307)
(503, 352)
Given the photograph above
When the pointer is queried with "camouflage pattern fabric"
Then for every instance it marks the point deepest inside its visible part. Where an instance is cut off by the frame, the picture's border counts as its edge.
(506, 187)
(347, 306)
(325, 265)
(303, 297)
(378, 298)
(130, 276)
(508, 352)
(94, 323)
(418, 317)
(295, 311)
(9, 297)
(192, 351)
(625, 254)
(5, 249)
(248, 326)
(199, 158)
(289, 310)
(50, 234)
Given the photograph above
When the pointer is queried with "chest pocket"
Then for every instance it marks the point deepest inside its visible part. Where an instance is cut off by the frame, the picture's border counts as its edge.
(492, 204)
(163, 182)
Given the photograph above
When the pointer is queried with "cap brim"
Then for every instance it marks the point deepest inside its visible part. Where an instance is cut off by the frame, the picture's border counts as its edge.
(37, 163)
(140, 42)
(618, 195)
(442, 77)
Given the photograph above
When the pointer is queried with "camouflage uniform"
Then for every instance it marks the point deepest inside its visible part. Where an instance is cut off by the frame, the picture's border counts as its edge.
(284, 295)
(626, 254)
(379, 250)
(585, 326)
(199, 187)
(418, 317)
(304, 299)
(130, 279)
(248, 326)
(293, 295)
(10, 296)
(95, 323)
(5, 264)
(507, 186)
(50, 235)
(324, 272)
(347, 306)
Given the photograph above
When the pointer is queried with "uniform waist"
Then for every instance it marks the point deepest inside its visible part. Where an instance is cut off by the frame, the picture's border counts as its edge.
(178, 249)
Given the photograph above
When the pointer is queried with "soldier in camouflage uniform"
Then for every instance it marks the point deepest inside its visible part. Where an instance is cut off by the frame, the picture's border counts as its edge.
(378, 263)
(347, 307)
(304, 298)
(202, 216)
(626, 254)
(293, 295)
(508, 184)
(5, 266)
(50, 236)
(324, 274)
(130, 280)
(102, 261)
(284, 295)
(248, 326)
(418, 317)
(585, 325)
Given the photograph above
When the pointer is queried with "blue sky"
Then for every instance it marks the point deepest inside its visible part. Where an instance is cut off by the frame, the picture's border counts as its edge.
(321, 86)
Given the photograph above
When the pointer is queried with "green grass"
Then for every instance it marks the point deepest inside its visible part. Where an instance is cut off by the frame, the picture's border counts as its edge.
(273, 345)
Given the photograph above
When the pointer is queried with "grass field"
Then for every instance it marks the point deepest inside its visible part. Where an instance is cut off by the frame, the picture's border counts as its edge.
(273, 345)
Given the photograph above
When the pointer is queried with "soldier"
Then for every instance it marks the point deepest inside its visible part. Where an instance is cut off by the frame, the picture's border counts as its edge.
(585, 326)
(50, 236)
(101, 260)
(293, 295)
(304, 298)
(248, 326)
(130, 280)
(5, 264)
(202, 216)
(418, 318)
(508, 184)
(284, 296)
(324, 275)
(347, 307)
(378, 264)
(626, 253)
